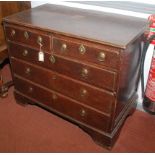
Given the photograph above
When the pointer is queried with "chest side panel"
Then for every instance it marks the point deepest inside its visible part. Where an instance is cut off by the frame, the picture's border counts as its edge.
(128, 77)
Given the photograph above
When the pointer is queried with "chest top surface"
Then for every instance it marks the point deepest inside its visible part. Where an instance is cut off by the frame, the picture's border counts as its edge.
(107, 28)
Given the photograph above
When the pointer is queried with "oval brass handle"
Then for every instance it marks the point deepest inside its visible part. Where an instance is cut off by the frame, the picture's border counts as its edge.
(39, 40)
(26, 35)
(52, 59)
(82, 112)
(84, 72)
(82, 49)
(28, 70)
(83, 92)
(13, 32)
(54, 77)
(30, 90)
(54, 96)
(25, 52)
(63, 47)
(101, 56)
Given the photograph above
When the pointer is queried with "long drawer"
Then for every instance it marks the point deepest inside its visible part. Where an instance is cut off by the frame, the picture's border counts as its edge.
(62, 104)
(86, 51)
(92, 96)
(93, 75)
(29, 37)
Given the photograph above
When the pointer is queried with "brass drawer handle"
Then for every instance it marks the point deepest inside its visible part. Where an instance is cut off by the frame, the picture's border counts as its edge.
(30, 90)
(54, 77)
(101, 56)
(26, 35)
(39, 40)
(25, 52)
(63, 47)
(83, 92)
(82, 112)
(13, 32)
(54, 96)
(82, 49)
(84, 72)
(28, 70)
(52, 59)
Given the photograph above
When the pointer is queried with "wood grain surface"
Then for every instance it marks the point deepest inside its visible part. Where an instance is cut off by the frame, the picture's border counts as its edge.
(117, 30)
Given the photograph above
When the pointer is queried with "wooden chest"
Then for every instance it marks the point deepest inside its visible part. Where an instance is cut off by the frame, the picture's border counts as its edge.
(81, 65)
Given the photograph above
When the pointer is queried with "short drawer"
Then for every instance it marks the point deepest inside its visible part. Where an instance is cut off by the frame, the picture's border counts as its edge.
(88, 52)
(97, 98)
(29, 37)
(62, 104)
(92, 75)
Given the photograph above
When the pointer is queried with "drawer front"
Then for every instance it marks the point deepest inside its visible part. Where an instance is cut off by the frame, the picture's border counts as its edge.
(99, 77)
(88, 53)
(28, 37)
(92, 96)
(62, 104)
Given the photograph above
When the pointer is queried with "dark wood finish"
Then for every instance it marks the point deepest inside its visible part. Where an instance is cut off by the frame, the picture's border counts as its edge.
(129, 74)
(60, 83)
(31, 39)
(62, 104)
(91, 54)
(4, 53)
(97, 76)
(112, 29)
(96, 93)
(7, 8)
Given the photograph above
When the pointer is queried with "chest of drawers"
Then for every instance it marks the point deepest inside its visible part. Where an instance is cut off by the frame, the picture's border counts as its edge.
(81, 65)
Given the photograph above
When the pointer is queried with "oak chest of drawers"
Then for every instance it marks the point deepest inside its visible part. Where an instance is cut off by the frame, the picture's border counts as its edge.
(82, 65)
